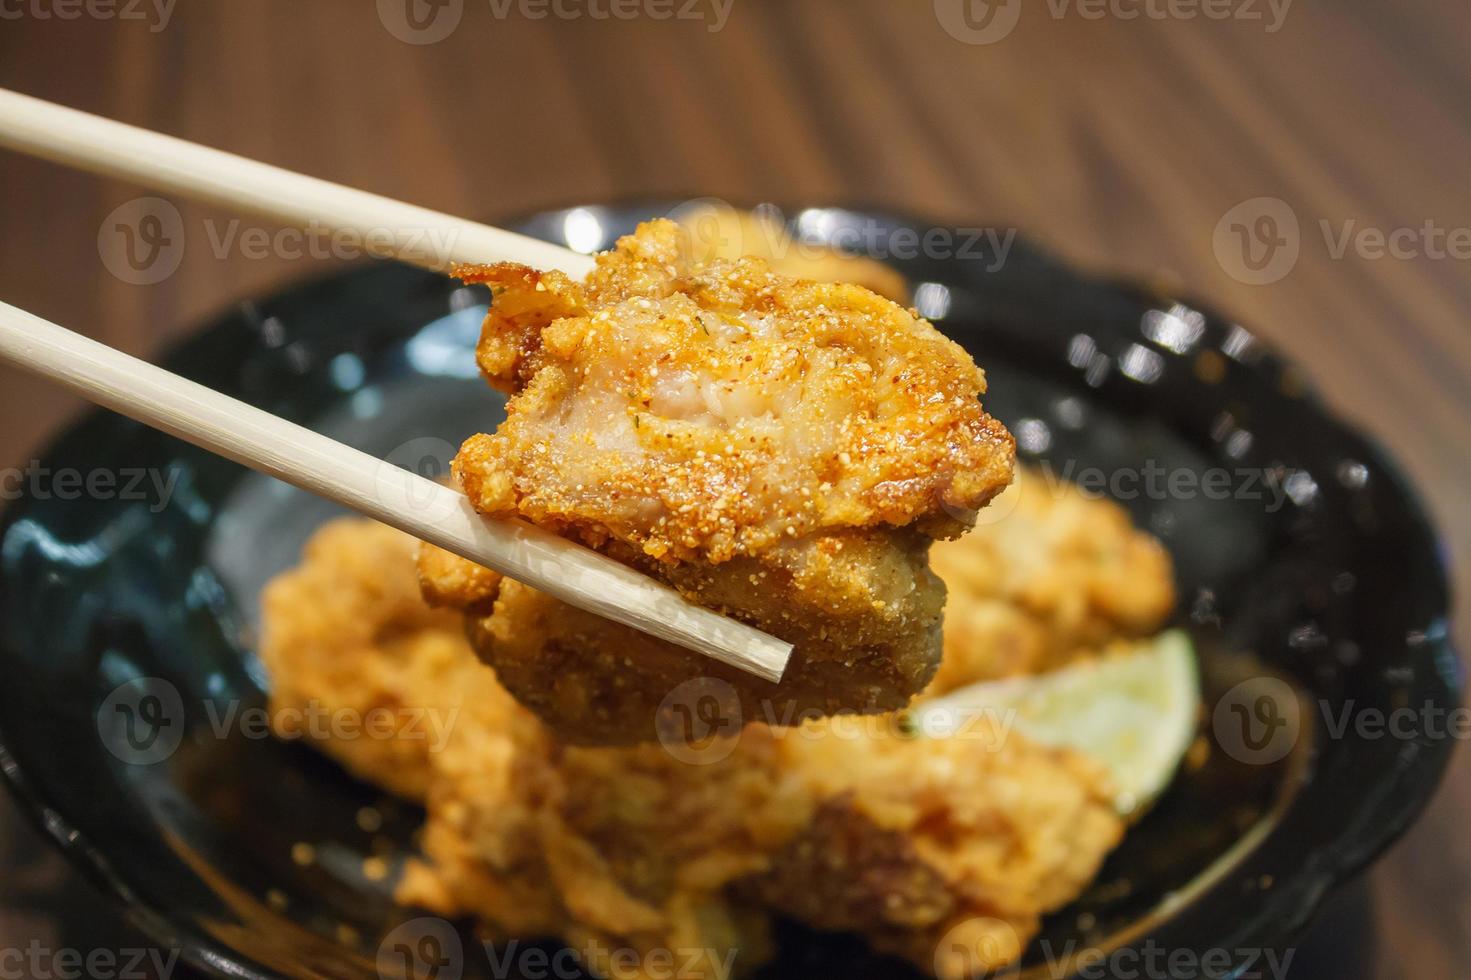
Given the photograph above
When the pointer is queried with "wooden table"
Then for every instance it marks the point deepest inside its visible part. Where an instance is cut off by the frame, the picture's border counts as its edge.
(1121, 143)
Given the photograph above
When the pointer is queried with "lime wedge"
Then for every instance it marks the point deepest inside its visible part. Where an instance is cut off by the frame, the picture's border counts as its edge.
(1134, 711)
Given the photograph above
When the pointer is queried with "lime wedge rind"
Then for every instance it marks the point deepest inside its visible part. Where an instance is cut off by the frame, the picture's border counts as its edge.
(1134, 711)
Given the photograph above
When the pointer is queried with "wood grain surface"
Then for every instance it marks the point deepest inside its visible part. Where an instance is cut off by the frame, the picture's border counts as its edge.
(1120, 142)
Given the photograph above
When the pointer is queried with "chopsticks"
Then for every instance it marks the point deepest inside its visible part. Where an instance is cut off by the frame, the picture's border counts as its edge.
(428, 510)
(306, 459)
(389, 228)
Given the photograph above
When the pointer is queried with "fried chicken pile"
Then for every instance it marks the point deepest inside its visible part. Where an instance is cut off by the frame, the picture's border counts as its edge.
(944, 851)
(785, 452)
(780, 450)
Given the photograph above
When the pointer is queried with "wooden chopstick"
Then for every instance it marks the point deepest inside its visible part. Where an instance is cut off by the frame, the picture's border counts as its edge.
(388, 228)
(307, 459)
(423, 508)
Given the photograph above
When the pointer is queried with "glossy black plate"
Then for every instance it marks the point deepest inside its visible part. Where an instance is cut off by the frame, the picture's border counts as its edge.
(1309, 577)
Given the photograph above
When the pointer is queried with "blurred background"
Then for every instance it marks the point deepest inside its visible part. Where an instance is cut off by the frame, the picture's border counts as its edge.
(1298, 163)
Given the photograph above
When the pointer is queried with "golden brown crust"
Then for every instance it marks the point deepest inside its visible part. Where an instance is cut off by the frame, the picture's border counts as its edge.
(482, 838)
(863, 610)
(778, 449)
(1048, 574)
(704, 413)
(348, 625)
(713, 231)
(525, 301)
(845, 823)
(447, 580)
(920, 837)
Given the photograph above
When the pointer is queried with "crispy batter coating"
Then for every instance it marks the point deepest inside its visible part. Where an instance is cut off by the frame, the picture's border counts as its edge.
(780, 450)
(942, 851)
(865, 608)
(844, 824)
(347, 627)
(487, 793)
(348, 631)
(699, 413)
(716, 231)
(1048, 574)
(643, 848)
(446, 579)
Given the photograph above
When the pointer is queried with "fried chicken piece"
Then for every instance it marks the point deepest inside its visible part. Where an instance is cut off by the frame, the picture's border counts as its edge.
(603, 682)
(780, 450)
(486, 798)
(644, 847)
(347, 633)
(944, 851)
(700, 412)
(348, 629)
(635, 862)
(1049, 574)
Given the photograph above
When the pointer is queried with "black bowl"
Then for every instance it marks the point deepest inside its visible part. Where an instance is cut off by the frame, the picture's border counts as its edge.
(1308, 575)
